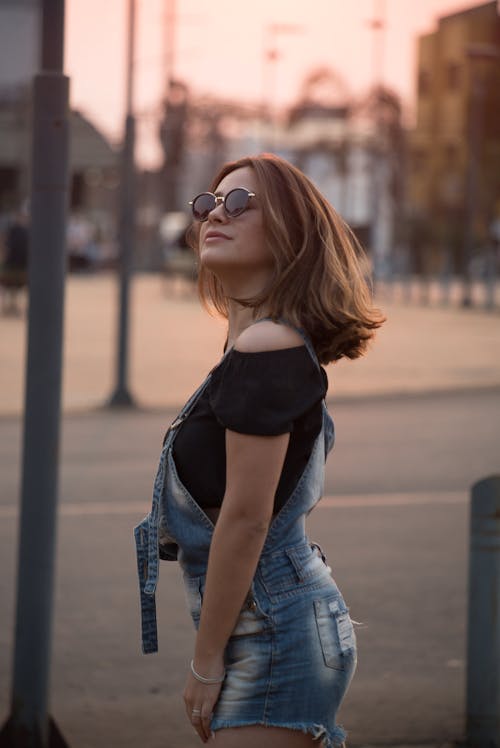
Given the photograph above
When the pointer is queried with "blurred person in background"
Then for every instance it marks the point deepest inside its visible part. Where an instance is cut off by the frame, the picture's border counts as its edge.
(243, 464)
(83, 252)
(495, 231)
(14, 262)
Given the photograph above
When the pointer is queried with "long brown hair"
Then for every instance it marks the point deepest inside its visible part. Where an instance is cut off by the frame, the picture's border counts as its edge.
(320, 279)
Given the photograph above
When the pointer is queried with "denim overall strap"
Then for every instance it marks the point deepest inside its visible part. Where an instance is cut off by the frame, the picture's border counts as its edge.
(147, 532)
(307, 341)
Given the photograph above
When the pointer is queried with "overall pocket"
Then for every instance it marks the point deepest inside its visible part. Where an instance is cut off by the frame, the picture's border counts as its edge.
(293, 570)
(336, 632)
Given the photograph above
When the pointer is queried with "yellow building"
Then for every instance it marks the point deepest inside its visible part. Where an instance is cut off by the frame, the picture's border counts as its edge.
(454, 178)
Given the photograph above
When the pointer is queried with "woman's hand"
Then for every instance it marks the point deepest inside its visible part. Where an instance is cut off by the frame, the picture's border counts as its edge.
(200, 700)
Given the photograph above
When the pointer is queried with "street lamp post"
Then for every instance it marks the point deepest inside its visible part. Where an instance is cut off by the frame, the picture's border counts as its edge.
(121, 396)
(29, 724)
(270, 59)
(377, 24)
(170, 29)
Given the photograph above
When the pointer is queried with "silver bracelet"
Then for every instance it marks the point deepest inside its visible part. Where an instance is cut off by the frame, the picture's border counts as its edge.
(206, 681)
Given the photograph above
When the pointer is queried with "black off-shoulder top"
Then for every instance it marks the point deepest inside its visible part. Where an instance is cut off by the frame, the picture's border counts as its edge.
(265, 393)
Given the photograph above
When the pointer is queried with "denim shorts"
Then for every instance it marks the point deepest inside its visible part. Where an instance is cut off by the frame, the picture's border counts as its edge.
(293, 650)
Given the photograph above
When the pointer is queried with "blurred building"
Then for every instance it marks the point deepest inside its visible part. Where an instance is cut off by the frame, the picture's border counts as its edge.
(346, 151)
(454, 178)
(352, 152)
(19, 43)
(94, 161)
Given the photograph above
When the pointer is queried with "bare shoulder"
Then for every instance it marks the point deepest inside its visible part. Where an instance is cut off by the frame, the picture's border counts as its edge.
(268, 336)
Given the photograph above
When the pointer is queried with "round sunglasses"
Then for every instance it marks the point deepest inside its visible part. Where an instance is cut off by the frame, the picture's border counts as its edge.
(235, 203)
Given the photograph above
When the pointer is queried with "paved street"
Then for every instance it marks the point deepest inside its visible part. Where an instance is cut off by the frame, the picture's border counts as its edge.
(174, 342)
(414, 431)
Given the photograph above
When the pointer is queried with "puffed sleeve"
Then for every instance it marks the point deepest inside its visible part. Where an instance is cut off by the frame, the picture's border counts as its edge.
(265, 392)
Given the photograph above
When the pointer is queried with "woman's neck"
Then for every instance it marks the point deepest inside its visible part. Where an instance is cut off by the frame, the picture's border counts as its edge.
(248, 285)
(239, 318)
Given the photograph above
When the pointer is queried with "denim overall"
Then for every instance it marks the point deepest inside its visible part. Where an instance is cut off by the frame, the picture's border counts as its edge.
(292, 653)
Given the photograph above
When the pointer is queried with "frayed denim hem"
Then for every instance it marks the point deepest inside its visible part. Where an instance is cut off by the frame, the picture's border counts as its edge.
(329, 738)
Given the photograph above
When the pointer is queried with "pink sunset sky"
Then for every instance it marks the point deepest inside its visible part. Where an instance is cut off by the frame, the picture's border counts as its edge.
(219, 49)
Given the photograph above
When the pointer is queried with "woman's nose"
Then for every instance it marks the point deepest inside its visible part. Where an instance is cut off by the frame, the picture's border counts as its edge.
(218, 213)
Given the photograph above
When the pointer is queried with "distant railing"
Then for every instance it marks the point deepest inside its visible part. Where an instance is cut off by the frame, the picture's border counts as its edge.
(181, 263)
(179, 272)
(440, 291)
(426, 290)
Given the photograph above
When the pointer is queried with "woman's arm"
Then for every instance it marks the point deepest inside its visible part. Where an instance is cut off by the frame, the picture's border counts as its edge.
(254, 465)
(254, 468)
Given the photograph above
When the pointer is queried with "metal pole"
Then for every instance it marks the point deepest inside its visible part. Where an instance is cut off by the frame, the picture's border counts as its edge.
(472, 185)
(491, 277)
(169, 38)
(483, 637)
(378, 26)
(121, 395)
(269, 58)
(29, 725)
(376, 180)
(271, 55)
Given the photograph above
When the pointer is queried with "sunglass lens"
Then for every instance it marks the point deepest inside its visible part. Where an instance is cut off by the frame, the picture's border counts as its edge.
(202, 205)
(236, 202)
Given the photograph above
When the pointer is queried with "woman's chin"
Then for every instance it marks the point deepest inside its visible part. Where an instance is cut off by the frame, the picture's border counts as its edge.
(235, 272)
(217, 262)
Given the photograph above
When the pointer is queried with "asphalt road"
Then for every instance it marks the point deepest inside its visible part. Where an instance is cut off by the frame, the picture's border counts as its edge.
(394, 526)
(434, 442)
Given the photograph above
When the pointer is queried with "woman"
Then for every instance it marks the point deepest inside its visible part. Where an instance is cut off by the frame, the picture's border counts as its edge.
(243, 464)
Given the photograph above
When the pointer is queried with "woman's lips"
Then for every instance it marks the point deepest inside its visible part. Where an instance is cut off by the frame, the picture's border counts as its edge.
(215, 235)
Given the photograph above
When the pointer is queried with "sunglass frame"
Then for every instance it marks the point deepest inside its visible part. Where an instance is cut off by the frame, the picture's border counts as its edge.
(221, 199)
